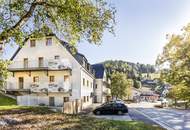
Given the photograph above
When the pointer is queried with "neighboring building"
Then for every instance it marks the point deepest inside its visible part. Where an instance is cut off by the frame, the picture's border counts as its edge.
(101, 91)
(45, 72)
(150, 76)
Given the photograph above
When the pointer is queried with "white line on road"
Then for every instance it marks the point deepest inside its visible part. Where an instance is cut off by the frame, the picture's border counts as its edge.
(154, 120)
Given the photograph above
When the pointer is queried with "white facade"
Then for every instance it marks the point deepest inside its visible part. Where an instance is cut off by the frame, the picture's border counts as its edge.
(102, 92)
(56, 62)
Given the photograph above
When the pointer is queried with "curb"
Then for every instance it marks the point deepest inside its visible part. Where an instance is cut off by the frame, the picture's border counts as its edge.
(154, 120)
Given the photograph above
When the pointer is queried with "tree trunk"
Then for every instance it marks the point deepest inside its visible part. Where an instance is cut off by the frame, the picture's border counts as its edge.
(175, 102)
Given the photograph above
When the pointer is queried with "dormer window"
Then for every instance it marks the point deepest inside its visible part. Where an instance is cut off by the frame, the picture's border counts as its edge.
(32, 43)
(48, 41)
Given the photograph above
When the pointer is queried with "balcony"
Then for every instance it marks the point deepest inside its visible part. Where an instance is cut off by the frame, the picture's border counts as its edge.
(35, 65)
(106, 91)
(40, 87)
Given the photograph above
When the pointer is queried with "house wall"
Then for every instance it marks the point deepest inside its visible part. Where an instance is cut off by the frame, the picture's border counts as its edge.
(34, 100)
(98, 90)
(101, 89)
(86, 90)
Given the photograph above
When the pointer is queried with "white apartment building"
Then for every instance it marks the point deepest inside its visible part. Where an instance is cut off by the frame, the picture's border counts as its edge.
(45, 72)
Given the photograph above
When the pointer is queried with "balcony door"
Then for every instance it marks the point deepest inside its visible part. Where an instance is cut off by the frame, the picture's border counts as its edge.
(21, 82)
(41, 62)
(25, 62)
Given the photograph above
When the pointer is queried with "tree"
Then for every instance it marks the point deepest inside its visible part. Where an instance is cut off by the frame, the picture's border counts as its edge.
(120, 86)
(73, 19)
(3, 72)
(176, 55)
(137, 84)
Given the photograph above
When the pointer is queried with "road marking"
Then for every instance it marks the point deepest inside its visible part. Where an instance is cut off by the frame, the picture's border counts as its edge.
(164, 125)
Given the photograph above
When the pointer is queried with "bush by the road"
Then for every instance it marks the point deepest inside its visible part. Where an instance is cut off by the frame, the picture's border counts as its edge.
(137, 84)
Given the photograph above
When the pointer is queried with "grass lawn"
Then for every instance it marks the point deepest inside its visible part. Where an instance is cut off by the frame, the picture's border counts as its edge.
(6, 101)
(42, 118)
(20, 117)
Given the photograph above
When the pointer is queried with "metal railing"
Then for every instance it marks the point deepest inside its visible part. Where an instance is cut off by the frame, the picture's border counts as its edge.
(51, 64)
(41, 87)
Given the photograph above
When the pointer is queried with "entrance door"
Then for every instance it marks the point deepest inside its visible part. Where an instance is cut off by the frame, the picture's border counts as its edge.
(51, 101)
(21, 82)
(95, 99)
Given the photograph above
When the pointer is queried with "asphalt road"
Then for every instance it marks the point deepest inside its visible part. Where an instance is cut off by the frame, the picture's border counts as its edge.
(171, 118)
(135, 115)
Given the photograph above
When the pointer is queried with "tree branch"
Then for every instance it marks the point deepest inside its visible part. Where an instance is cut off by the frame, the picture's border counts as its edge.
(5, 34)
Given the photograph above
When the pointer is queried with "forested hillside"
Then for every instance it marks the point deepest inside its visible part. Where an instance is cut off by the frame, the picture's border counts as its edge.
(132, 70)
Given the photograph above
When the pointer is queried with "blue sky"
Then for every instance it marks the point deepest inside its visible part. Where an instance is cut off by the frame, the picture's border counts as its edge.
(141, 30)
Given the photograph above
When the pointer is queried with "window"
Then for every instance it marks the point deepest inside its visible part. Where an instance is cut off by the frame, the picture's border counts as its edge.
(66, 78)
(66, 99)
(83, 82)
(56, 57)
(51, 101)
(96, 86)
(51, 78)
(48, 41)
(25, 62)
(36, 79)
(87, 83)
(84, 99)
(32, 43)
(87, 98)
(41, 62)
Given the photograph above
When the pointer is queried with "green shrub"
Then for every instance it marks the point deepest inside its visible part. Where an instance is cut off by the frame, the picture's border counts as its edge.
(137, 84)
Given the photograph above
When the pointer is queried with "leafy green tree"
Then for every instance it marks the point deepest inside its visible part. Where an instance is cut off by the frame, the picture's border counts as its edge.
(120, 86)
(176, 55)
(73, 19)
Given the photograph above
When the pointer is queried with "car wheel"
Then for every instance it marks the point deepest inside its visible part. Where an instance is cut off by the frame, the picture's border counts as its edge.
(119, 112)
(98, 112)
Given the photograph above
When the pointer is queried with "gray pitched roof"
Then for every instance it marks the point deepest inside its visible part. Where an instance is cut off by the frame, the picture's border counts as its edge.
(99, 70)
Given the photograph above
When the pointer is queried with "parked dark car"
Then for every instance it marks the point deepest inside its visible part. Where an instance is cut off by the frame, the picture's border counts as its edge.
(111, 108)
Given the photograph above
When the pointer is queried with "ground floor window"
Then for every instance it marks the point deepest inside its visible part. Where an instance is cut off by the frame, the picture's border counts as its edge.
(66, 99)
(84, 99)
(51, 101)
(87, 98)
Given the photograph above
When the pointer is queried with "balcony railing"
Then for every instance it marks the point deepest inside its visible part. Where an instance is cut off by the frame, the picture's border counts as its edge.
(40, 87)
(45, 64)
